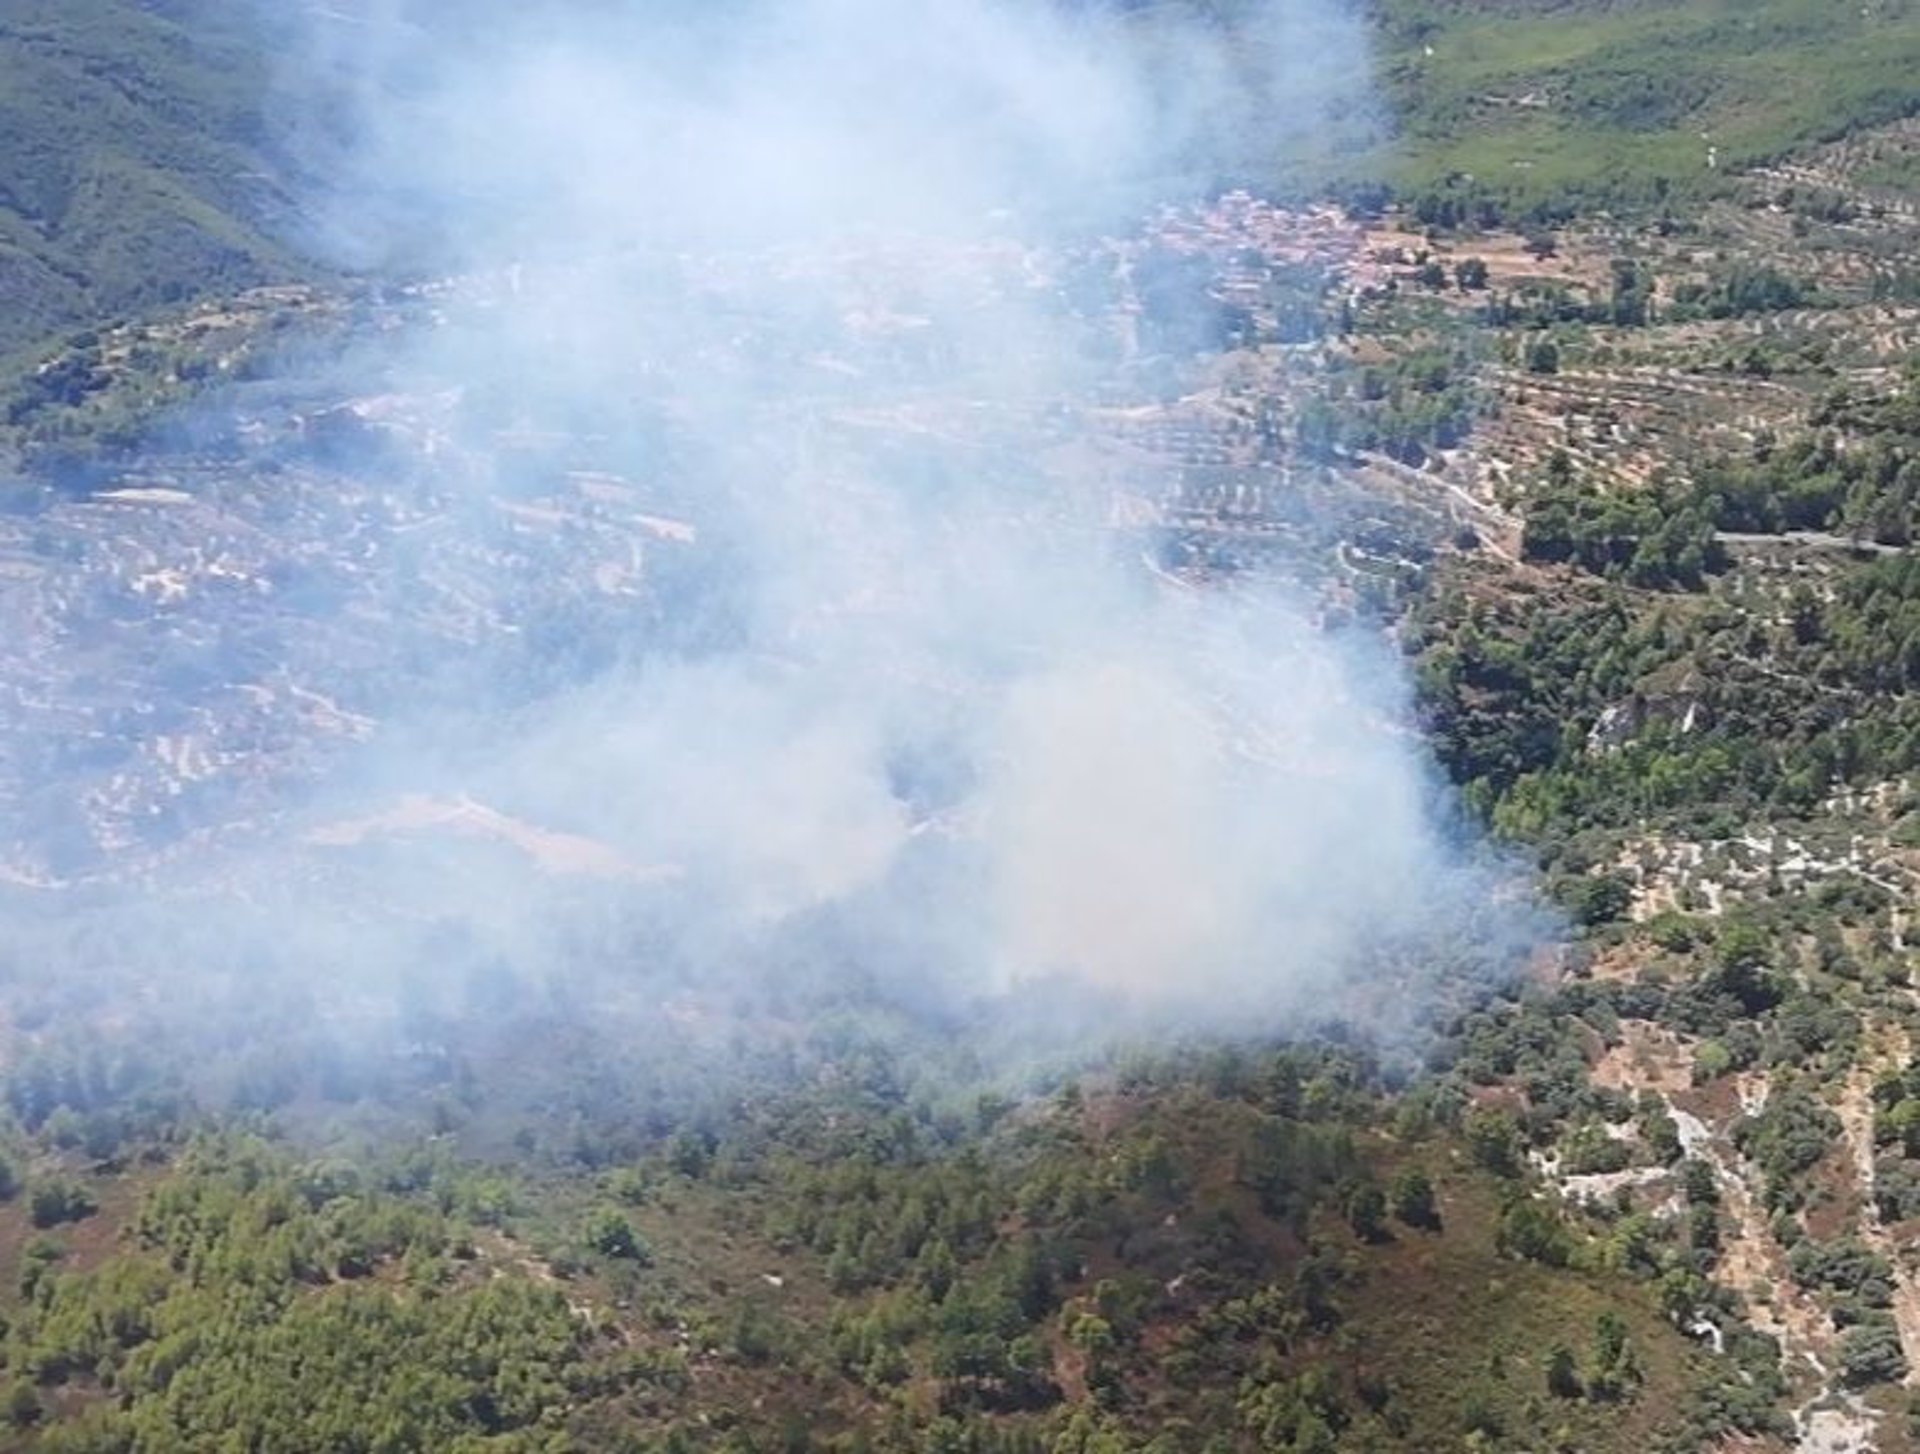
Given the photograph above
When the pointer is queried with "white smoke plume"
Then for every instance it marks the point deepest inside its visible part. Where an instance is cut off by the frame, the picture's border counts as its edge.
(795, 270)
(796, 333)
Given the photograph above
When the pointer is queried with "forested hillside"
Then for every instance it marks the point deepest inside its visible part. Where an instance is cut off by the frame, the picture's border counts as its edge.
(136, 169)
(1223, 1250)
(1565, 106)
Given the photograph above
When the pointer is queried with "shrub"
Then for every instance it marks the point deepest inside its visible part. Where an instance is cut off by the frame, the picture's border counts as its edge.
(58, 1200)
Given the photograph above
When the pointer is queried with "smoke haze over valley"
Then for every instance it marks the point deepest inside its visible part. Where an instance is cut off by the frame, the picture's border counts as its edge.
(748, 553)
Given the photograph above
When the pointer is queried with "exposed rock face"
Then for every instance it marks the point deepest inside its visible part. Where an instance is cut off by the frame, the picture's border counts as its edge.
(1683, 710)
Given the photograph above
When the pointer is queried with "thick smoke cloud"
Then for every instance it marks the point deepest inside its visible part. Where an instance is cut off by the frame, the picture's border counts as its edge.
(904, 699)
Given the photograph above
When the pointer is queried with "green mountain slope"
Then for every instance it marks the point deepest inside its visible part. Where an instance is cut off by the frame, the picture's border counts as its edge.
(1550, 101)
(135, 171)
(1260, 1257)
